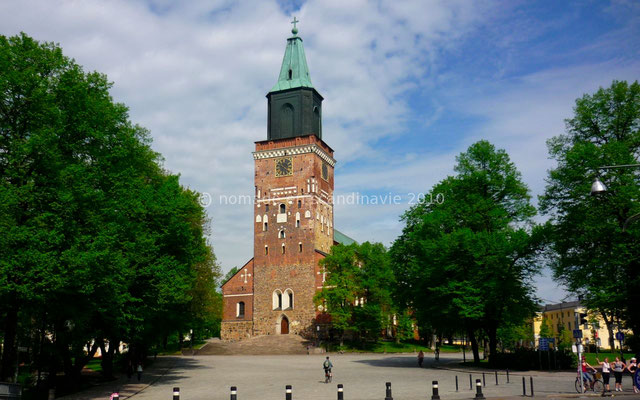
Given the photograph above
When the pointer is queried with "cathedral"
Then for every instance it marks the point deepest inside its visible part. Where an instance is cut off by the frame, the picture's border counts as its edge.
(293, 225)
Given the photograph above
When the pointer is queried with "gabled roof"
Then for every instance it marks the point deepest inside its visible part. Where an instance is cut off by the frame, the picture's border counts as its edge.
(294, 72)
(239, 269)
(341, 238)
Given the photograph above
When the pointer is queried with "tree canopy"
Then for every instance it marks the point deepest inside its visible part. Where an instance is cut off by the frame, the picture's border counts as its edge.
(592, 254)
(98, 243)
(466, 265)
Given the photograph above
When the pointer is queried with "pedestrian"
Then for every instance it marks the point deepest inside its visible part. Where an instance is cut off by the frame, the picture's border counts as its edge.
(114, 395)
(420, 358)
(618, 368)
(606, 372)
(139, 370)
(632, 368)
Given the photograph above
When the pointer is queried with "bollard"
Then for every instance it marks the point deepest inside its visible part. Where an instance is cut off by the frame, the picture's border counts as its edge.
(234, 393)
(434, 387)
(176, 393)
(524, 387)
(388, 396)
(340, 391)
(484, 382)
(496, 378)
(288, 394)
(479, 395)
(507, 375)
(531, 385)
(456, 383)
(470, 383)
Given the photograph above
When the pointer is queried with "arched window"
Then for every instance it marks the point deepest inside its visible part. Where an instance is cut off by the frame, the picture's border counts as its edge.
(286, 120)
(316, 120)
(265, 222)
(266, 207)
(266, 250)
(288, 299)
(240, 309)
(277, 300)
(297, 220)
(299, 203)
(290, 74)
(300, 247)
(281, 234)
(307, 214)
(258, 218)
(283, 248)
(283, 208)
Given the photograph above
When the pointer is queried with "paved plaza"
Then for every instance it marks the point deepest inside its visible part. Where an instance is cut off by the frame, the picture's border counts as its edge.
(363, 376)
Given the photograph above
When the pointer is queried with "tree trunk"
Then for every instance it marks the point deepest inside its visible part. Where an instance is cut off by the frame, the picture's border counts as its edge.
(474, 346)
(107, 358)
(609, 323)
(7, 365)
(493, 342)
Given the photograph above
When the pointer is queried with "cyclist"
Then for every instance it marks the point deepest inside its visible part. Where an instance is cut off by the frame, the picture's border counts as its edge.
(586, 375)
(327, 369)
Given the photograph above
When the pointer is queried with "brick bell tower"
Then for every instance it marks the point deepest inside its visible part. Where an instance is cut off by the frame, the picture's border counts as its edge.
(293, 212)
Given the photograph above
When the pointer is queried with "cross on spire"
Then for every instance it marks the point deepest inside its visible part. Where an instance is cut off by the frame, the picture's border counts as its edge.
(294, 22)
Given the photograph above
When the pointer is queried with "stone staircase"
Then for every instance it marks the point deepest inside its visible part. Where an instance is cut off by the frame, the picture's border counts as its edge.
(258, 345)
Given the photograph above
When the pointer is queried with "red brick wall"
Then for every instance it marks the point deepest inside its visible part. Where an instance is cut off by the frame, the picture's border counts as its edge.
(239, 288)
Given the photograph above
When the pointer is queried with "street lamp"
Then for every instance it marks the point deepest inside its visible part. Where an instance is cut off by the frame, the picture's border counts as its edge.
(597, 188)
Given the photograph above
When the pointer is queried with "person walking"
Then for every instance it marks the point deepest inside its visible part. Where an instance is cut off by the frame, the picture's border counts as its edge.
(139, 371)
(420, 358)
(606, 372)
(618, 368)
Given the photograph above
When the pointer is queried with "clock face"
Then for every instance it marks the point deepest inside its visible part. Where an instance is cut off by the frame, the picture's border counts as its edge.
(325, 172)
(284, 166)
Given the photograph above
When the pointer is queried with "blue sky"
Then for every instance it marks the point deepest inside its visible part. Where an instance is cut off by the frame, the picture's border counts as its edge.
(408, 85)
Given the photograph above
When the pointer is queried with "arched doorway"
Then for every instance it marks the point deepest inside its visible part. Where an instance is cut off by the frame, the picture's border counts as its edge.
(284, 326)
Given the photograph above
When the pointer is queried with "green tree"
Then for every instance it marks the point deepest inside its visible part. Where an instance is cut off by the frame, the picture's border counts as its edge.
(546, 331)
(592, 255)
(98, 243)
(466, 264)
(357, 292)
(230, 274)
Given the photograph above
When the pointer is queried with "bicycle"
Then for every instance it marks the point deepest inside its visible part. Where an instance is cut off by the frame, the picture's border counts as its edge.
(327, 375)
(596, 385)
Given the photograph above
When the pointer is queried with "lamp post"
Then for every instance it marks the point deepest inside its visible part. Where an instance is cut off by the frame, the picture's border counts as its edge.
(598, 188)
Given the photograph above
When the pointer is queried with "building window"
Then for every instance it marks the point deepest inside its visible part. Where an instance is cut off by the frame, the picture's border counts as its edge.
(288, 299)
(266, 207)
(283, 209)
(265, 226)
(277, 300)
(240, 309)
(298, 220)
(281, 234)
(282, 248)
(299, 203)
(266, 250)
(300, 247)
(290, 74)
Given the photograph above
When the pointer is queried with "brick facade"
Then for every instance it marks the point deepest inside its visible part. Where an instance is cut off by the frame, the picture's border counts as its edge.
(287, 245)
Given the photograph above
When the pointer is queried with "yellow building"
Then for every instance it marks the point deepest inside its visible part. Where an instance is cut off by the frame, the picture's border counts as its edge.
(567, 316)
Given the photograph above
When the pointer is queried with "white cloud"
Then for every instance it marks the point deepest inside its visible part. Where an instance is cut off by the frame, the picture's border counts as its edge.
(195, 74)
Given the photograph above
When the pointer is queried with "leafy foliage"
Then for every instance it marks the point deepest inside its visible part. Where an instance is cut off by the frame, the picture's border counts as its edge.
(357, 294)
(98, 244)
(466, 264)
(592, 254)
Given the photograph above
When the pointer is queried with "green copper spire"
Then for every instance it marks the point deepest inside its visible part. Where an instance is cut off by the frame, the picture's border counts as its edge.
(294, 71)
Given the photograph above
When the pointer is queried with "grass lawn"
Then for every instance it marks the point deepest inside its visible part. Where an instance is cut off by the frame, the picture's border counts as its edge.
(591, 357)
(392, 347)
(94, 365)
